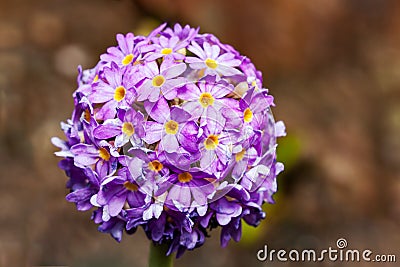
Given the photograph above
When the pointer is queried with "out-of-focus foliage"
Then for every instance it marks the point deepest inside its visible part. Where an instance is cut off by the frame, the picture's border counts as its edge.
(289, 151)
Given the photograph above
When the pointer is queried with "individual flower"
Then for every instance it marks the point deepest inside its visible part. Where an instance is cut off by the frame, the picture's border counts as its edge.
(172, 126)
(127, 52)
(83, 190)
(86, 78)
(163, 79)
(243, 158)
(114, 226)
(153, 168)
(216, 144)
(102, 154)
(207, 96)
(114, 90)
(117, 191)
(183, 33)
(210, 59)
(127, 126)
(168, 48)
(250, 111)
(188, 190)
(254, 77)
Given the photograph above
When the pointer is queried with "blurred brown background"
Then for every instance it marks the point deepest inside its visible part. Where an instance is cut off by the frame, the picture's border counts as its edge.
(332, 65)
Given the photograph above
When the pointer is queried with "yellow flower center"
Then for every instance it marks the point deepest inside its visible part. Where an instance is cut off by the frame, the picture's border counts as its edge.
(185, 177)
(171, 127)
(211, 63)
(119, 93)
(166, 51)
(211, 142)
(130, 186)
(206, 99)
(103, 153)
(239, 156)
(95, 79)
(247, 115)
(158, 81)
(128, 129)
(127, 59)
(155, 166)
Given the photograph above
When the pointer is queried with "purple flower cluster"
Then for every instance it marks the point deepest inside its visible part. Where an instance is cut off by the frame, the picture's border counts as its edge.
(172, 133)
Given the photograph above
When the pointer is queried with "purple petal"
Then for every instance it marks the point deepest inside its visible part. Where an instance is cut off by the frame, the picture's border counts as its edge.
(144, 90)
(199, 196)
(215, 120)
(179, 115)
(151, 69)
(214, 51)
(198, 65)
(122, 43)
(101, 93)
(195, 60)
(223, 206)
(181, 194)
(173, 71)
(223, 153)
(121, 140)
(207, 49)
(164, 41)
(208, 157)
(116, 204)
(107, 193)
(113, 75)
(197, 50)
(225, 237)
(135, 199)
(154, 95)
(158, 111)
(168, 89)
(169, 143)
(204, 221)
(223, 219)
(138, 153)
(219, 90)
(189, 92)
(157, 30)
(153, 132)
(85, 154)
(106, 131)
(107, 111)
(280, 129)
(228, 59)
(228, 71)
(236, 235)
(79, 195)
(188, 136)
(239, 169)
(193, 108)
(232, 116)
(158, 229)
(59, 143)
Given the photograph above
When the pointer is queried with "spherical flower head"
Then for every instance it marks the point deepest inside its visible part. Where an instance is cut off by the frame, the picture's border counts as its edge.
(171, 132)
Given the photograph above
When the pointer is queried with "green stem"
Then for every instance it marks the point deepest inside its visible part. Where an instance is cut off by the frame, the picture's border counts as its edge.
(158, 258)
